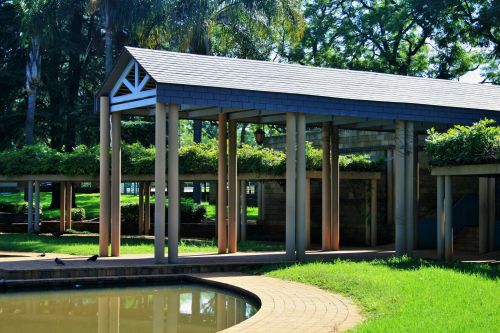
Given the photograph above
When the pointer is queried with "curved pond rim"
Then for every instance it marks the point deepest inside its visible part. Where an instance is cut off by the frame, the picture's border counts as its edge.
(40, 285)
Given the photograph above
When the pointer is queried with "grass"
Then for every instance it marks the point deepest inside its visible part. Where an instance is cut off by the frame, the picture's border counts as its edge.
(409, 295)
(89, 245)
(91, 204)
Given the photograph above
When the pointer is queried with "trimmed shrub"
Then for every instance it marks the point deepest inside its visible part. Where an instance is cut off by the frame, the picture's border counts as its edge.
(475, 144)
(14, 208)
(81, 161)
(78, 214)
(189, 211)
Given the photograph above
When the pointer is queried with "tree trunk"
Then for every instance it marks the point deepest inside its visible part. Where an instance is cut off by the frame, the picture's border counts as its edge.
(30, 118)
(108, 39)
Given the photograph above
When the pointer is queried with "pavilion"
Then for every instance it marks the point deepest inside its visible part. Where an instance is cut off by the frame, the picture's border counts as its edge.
(173, 86)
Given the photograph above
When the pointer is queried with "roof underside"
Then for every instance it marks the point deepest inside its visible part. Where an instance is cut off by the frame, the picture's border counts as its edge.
(258, 91)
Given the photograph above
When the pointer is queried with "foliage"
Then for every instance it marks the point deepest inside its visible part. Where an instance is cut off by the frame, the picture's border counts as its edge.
(138, 131)
(14, 208)
(78, 214)
(475, 144)
(140, 160)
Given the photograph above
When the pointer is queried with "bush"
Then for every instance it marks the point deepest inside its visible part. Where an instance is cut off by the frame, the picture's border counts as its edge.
(138, 160)
(30, 160)
(189, 211)
(476, 144)
(81, 161)
(78, 214)
(14, 208)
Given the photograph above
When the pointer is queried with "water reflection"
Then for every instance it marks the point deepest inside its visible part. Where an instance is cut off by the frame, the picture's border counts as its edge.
(172, 309)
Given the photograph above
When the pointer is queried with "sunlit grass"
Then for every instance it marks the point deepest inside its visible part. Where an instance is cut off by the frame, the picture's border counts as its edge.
(409, 295)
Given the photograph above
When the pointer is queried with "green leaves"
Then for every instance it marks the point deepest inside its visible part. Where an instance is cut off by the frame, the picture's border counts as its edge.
(476, 144)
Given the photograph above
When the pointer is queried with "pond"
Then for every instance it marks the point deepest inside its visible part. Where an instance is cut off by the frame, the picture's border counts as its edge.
(183, 308)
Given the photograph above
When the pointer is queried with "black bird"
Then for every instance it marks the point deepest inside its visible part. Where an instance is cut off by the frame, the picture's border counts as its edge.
(59, 262)
(57, 234)
(93, 258)
(41, 255)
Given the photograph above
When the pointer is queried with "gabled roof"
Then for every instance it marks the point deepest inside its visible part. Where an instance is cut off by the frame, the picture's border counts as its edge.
(219, 72)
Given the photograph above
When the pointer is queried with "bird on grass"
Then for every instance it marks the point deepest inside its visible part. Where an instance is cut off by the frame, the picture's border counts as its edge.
(41, 255)
(59, 262)
(93, 258)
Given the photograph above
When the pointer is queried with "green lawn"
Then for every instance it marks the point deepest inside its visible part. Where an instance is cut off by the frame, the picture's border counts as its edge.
(409, 295)
(91, 204)
(89, 245)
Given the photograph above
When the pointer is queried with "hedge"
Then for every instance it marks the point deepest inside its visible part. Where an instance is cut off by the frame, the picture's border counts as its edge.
(189, 211)
(140, 160)
(460, 145)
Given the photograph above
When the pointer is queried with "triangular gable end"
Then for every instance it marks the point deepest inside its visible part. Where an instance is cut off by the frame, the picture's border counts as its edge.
(134, 89)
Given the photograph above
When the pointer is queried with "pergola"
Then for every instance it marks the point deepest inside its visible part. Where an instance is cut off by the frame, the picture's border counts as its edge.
(183, 86)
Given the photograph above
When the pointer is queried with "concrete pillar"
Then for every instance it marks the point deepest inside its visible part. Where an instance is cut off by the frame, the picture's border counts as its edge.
(308, 213)
(448, 213)
(367, 214)
(30, 207)
(222, 185)
(390, 187)
(335, 196)
(483, 215)
(62, 206)
(160, 171)
(291, 175)
(243, 214)
(104, 179)
(116, 177)
(69, 196)
(173, 184)
(300, 201)
(147, 208)
(233, 190)
(36, 227)
(140, 223)
(491, 215)
(373, 215)
(326, 191)
(440, 218)
(399, 189)
(409, 186)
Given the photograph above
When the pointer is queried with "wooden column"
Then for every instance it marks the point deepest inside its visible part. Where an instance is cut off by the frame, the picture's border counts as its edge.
(69, 195)
(233, 190)
(335, 196)
(222, 185)
(399, 188)
(36, 226)
(147, 208)
(62, 206)
(116, 177)
(308, 213)
(140, 223)
(448, 213)
(483, 215)
(409, 186)
(173, 184)
(291, 175)
(373, 211)
(243, 214)
(104, 179)
(160, 171)
(390, 187)
(491, 215)
(440, 218)
(326, 191)
(30, 207)
(300, 198)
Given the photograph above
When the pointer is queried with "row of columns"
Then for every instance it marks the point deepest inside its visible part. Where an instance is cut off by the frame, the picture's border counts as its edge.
(33, 208)
(66, 193)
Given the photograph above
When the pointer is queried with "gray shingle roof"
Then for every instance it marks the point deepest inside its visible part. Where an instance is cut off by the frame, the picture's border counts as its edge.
(188, 69)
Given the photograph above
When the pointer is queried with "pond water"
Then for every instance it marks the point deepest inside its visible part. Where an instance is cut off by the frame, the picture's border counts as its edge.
(184, 308)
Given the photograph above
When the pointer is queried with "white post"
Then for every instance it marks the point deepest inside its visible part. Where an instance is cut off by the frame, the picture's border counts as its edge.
(491, 215)
(300, 205)
(373, 215)
(308, 213)
(233, 190)
(160, 171)
(440, 217)
(399, 188)
(291, 172)
(173, 183)
(448, 212)
(115, 183)
(243, 215)
(104, 179)
(222, 185)
(37, 207)
(326, 189)
(409, 186)
(483, 214)
(335, 196)
(30, 206)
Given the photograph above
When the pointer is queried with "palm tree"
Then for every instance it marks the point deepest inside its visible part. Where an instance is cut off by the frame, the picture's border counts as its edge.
(33, 68)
